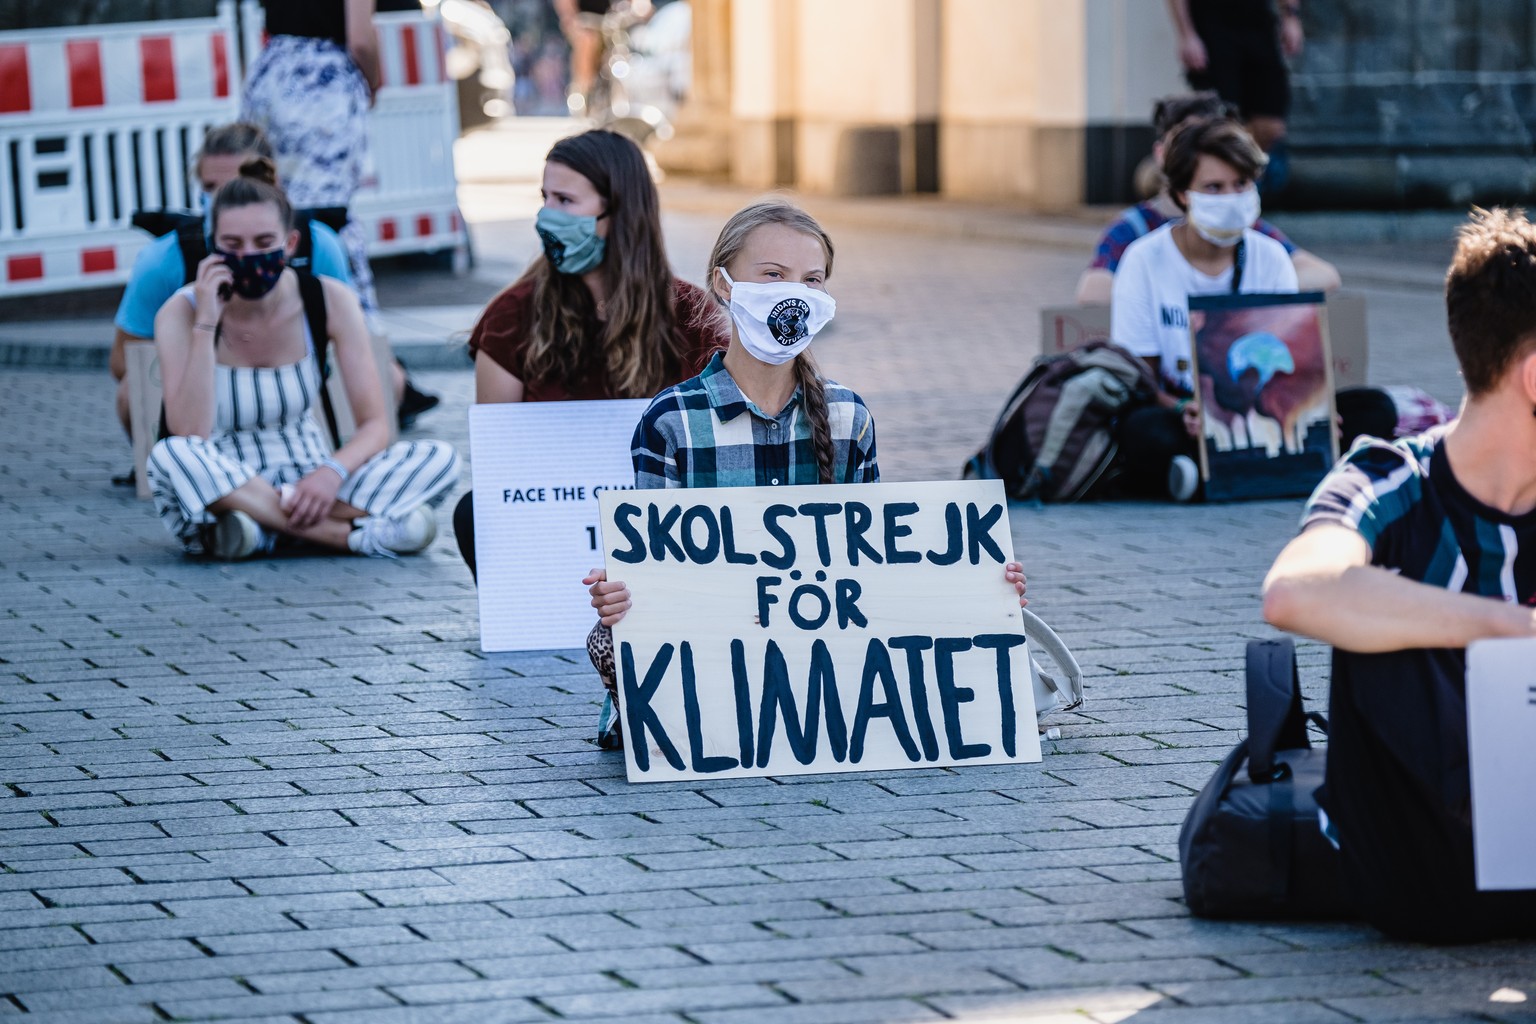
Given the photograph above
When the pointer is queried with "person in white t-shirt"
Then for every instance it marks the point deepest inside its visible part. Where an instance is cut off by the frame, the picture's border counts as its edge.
(1212, 167)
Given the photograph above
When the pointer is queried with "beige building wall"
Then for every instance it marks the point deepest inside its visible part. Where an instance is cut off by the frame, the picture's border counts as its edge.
(1014, 100)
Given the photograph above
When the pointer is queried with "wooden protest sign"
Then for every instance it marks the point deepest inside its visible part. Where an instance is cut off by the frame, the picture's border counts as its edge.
(797, 630)
(1501, 719)
(538, 469)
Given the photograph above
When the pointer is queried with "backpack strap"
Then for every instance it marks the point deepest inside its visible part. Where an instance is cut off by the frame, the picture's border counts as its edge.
(194, 247)
(313, 294)
(1238, 259)
(1275, 718)
(303, 256)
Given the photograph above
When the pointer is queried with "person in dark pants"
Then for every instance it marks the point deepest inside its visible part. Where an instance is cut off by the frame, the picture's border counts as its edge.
(1408, 552)
(1239, 49)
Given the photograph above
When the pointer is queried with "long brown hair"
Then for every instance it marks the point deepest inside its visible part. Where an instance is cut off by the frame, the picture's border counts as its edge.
(638, 344)
(813, 395)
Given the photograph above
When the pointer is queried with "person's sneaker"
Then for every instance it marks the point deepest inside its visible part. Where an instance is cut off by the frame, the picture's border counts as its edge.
(128, 479)
(236, 536)
(413, 402)
(386, 538)
(1183, 478)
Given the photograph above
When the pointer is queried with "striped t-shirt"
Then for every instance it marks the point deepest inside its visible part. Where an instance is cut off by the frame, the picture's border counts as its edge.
(1398, 787)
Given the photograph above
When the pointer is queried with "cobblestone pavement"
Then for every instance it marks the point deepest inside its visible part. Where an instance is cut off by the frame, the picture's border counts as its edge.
(295, 791)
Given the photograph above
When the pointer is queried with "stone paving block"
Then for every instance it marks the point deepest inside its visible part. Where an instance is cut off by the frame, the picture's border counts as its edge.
(894, 1011)
(1248, 991)
(213, 990)
(590, 984)
(286, 1002)
(394, 977)
(625, 1002)
(834, 993)
(506, 1012)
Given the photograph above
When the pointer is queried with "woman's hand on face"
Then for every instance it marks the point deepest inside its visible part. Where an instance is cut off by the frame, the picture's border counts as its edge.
(1013, 572)
(610, 599)
(311, 499)
(212, 288)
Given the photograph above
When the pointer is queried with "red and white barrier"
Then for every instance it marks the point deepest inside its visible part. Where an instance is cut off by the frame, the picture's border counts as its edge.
(100, 121)
(409, 203)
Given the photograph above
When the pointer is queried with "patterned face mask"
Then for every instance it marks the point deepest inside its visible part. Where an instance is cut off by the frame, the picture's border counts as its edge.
(255, 273)
(571, 243)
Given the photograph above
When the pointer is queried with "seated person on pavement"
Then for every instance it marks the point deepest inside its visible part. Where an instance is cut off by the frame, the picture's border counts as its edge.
(1095, 284)
(161, 266)
(1212, 168)
(598, 314)
(1408, 552)
(245, 460)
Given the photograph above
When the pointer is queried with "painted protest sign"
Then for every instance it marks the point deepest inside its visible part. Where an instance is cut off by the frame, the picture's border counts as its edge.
(795, 630)
(1501, 719)
(538, 469)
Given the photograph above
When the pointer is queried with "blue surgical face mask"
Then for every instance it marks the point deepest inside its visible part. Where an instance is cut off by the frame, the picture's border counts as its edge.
(571, 243)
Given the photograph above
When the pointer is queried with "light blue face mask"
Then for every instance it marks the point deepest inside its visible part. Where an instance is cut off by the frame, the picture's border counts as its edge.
(571, 243)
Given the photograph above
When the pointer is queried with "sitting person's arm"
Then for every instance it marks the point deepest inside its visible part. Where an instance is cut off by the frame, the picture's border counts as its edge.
(1323, 585)
(1313, 273)
(315, 494)
(184, 342)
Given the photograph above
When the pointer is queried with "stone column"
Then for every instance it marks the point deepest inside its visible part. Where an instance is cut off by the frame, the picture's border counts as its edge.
(867, 74)
(701, 143)
(763, 92)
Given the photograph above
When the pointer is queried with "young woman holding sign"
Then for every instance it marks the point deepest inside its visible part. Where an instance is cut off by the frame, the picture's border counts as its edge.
(599, 314)
(760, 414)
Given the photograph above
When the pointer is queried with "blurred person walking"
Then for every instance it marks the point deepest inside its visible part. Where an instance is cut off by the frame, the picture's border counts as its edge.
(310, 88)
(1239, 49)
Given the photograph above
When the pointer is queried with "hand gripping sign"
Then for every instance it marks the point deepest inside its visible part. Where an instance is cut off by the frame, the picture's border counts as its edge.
(797, 630)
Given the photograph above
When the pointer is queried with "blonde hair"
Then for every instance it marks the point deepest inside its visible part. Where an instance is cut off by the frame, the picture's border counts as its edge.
(733, 237)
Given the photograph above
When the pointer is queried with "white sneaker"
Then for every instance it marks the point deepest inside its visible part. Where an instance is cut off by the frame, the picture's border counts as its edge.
(1183, 478)
(236, 536)
(386, 538)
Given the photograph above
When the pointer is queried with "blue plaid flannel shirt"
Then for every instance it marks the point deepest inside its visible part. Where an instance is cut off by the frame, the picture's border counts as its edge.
(705, 433)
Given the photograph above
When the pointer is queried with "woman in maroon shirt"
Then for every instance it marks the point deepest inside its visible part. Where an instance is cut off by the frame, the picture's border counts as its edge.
(598, 315)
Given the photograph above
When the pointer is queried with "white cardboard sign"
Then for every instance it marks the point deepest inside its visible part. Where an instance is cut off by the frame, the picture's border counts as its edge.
(798, 630)
(1501, 724)
(538, 469)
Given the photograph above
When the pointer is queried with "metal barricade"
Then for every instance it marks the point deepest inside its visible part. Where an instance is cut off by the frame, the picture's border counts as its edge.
(100, 121)
(410, 202)
(94, 124)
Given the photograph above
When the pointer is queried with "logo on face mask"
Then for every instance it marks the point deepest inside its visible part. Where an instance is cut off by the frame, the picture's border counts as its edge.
(554, 249)
(787, 321)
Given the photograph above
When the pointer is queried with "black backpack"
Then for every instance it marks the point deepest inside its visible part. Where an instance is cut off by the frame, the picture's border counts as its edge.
(1252, 846)
(188, 229)
(312, 292)
(1055, 437)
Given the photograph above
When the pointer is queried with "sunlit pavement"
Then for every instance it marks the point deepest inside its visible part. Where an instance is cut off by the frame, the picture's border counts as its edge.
(296, 791)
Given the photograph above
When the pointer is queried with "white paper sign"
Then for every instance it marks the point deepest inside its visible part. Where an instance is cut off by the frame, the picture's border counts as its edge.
(1501, 728)
(795, 630)
(538, 469)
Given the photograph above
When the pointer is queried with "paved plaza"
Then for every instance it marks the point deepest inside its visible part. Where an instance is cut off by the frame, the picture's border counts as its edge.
(296, 792)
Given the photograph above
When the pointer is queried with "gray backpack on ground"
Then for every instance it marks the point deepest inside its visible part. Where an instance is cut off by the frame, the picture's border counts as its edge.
(1055, 438)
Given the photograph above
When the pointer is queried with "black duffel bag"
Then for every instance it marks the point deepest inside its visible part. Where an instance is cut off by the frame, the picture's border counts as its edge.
(1252, 846)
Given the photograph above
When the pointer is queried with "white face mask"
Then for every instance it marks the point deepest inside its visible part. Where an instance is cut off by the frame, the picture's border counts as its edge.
(1221, 219)
(777, 320)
